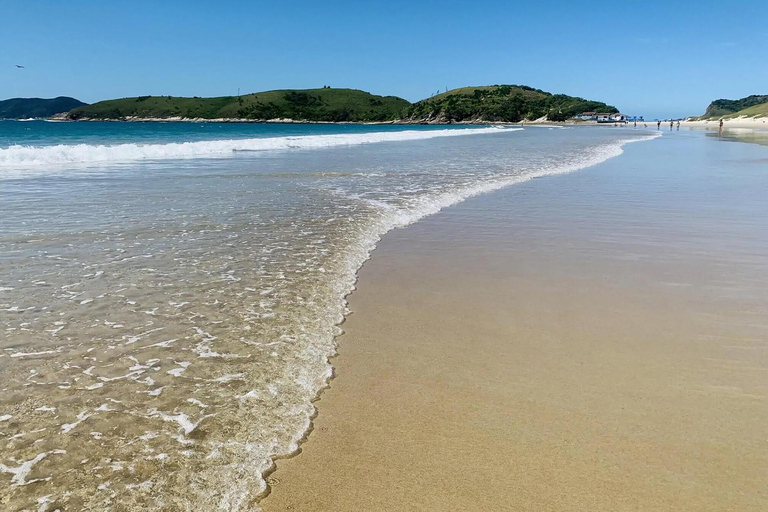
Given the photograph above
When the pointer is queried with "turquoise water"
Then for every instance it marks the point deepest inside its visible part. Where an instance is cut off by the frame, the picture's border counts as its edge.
(51, 133)
(170, 293)
(39, 145)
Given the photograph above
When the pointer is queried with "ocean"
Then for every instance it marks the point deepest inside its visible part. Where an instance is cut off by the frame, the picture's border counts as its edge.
(170, 293)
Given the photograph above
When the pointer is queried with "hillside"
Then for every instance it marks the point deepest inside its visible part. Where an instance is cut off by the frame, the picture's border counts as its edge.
(760, 110)
(24, 108)
(755, 105)
(505, 103)
(325, 104)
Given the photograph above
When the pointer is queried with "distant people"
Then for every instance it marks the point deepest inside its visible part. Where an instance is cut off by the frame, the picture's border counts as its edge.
(720, 130)
(658, 125)
(671, 124)
(635, 123)
(678, 125)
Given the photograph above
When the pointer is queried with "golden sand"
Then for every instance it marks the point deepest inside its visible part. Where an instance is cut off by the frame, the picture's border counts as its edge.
(518, 364)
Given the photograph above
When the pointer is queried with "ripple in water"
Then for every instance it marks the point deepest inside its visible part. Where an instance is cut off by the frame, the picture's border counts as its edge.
(166, 325)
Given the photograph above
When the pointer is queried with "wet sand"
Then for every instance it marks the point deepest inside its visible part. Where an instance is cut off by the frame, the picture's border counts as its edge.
(749, 123)
(594, 341)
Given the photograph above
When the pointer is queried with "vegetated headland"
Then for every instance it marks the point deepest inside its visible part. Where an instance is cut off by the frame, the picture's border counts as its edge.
(26, 108)
(495, 103)
(472, 105)
(751, 106)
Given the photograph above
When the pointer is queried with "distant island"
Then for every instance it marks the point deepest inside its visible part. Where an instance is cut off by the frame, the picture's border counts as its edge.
(319, 105)
(26, 108)
(751, 106)
(501, 103)
(494, 103)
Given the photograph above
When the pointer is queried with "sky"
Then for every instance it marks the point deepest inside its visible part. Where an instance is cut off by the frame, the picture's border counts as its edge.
(654, 58)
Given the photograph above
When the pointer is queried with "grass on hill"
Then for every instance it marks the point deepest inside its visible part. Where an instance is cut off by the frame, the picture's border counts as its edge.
(751, 106)
(325, 104)
(505, 103)
(754, 111)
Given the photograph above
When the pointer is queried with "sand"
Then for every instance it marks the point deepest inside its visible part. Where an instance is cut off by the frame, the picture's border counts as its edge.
(595, 341)
(754, 123)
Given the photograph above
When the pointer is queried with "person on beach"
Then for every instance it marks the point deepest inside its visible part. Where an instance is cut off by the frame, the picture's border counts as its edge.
(658, 125)
(720, 130)
(678, 125)
(671, 124)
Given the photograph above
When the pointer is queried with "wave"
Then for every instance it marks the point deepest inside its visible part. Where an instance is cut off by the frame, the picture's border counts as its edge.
(18, 156)
(243, 463)
(425, 206)
(391, 217)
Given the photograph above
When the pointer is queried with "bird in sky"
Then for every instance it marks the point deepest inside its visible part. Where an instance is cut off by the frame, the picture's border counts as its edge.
(20, 67)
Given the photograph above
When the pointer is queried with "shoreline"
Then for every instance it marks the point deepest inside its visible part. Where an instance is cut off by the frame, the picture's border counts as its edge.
(391, 280)
(754, 123)
(267, 491)
(757, 124)
(397, 122)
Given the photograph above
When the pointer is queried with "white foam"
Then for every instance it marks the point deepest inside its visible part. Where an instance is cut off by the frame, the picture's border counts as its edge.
(21, 471)
(43, 501)
(425, 206)
(67, 427)
(394, 217)
(185, 424)
(176, 372)
(130, 375)
(228, 377)
(143, 486)
(409, 210)
(15, 157)
(162, 344)
(197, 402)
(149, 435)
(28, 354)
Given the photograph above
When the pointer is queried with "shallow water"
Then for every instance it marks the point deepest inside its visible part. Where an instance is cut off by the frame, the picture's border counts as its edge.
(742, 135)
(168, 309)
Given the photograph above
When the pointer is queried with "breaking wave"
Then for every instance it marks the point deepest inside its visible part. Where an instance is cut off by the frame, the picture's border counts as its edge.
(18, 156)
(179, 360)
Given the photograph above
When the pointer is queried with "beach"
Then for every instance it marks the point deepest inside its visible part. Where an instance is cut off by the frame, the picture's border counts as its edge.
(589, 341)
(171, 293)
(751, 123)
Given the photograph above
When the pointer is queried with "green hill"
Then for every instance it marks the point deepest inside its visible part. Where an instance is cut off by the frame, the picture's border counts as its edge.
(755, 105)
(505, 103)
(760, 110)
(24, 108)
(499, 103)
(325, 104)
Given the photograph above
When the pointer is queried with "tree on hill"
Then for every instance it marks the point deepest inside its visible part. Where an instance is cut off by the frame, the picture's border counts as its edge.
(724, 107)
(501, 103)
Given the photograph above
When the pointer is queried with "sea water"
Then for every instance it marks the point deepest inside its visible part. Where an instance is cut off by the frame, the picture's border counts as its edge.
(170, 293)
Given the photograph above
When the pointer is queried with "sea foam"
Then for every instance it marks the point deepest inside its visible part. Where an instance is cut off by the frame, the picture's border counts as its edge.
(20, 157)
(254, 351)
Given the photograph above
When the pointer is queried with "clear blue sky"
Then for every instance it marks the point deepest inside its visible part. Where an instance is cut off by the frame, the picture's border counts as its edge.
(653, 58)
